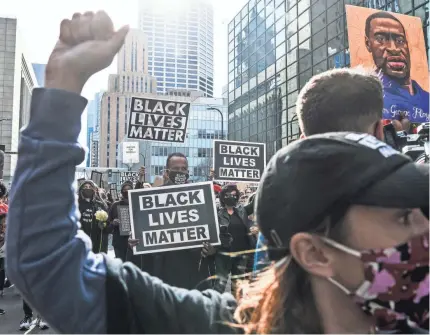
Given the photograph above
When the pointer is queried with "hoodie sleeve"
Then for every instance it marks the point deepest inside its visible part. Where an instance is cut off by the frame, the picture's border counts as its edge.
(49, 258)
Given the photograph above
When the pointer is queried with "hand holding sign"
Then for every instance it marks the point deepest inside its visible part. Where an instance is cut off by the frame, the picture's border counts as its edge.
(87, 44)
(208, 250)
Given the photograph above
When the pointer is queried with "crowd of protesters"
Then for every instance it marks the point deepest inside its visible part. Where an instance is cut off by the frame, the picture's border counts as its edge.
(342, 216)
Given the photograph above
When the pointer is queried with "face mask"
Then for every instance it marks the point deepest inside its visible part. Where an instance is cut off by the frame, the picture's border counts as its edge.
(178, 177)
(87, 193)
(396, 285)
(230, 201)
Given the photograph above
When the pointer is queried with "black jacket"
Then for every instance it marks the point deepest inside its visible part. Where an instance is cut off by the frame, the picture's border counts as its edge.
(117, 239)
(140, 304)
(180, 268)
(224, 222)
(89, 224)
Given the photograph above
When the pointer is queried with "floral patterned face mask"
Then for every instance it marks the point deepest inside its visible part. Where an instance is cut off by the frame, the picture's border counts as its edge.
(396, 285)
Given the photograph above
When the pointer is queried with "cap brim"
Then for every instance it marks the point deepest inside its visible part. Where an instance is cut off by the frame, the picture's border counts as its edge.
(407, 187)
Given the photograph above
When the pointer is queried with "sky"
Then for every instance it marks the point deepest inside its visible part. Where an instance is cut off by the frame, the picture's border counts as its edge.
(39, 21)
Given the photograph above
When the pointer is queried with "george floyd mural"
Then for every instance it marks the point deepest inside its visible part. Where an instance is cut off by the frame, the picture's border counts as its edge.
(393, 45)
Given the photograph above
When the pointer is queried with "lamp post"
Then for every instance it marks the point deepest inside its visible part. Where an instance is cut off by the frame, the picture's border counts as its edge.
(222, 119)
(144, 165)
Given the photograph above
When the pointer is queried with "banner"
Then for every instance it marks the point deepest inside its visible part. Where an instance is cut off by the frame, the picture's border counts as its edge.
(132, 176)
(124, 220)
(239, 161)
(393, 45)
(173, 217)
(158, 120)
(130, 152)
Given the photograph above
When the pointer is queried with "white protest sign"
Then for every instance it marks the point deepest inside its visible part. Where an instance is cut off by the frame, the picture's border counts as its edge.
(130, 152)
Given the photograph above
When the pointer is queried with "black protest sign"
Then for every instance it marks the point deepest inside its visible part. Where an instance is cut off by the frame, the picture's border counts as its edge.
(158, 120)
(132, 176)
(80, 182)
(239, 161)
(124, 220)
(173, 217)
(96, 177)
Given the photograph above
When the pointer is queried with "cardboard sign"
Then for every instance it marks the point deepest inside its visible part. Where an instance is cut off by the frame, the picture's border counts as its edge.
(132, 176)
(173, 217)
(130, 152)
(96, 177)
(158, 120)
(239, 161)
(80, 182)
(124, 220)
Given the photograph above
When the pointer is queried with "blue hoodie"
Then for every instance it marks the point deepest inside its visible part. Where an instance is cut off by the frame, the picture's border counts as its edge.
(49, 259)
(398, 99)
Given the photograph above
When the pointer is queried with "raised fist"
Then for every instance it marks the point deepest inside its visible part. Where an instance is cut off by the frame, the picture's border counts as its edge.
(87, 44)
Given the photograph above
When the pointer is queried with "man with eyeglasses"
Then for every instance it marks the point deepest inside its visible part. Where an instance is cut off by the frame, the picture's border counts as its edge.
(386, 40)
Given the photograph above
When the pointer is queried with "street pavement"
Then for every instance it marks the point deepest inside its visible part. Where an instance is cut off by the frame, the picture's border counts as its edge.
(11, 302)
(9, 323)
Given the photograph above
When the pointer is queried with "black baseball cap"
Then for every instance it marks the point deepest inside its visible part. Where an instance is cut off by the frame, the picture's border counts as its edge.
(309, 179)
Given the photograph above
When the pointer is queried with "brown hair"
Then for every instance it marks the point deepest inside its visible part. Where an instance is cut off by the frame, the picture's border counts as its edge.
(340, 100)
(280, 300)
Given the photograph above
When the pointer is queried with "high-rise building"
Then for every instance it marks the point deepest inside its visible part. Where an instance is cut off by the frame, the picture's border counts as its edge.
(275, 47)
(180, 43)
(17, 81)
(93, 123)
(132, 79)
(39, 71)
(204, 126)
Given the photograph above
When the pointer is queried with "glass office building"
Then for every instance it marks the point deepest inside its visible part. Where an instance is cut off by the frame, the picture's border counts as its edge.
(275, 47)
(180, 43)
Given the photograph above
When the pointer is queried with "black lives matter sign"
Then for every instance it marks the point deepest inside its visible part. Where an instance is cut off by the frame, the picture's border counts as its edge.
(173, 217)
(132, 176)
(239, 161)
(124, 220)
(158, 120)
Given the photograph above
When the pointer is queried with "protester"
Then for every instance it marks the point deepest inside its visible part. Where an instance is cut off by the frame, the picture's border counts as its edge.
(120, 243)
(338, 100)
(235, 236)
(28, 321)
(141, 182)
(189, 268)
(89, 205)
(319, 200)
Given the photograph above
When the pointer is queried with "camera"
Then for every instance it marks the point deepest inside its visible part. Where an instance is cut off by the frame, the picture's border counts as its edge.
(415, 146)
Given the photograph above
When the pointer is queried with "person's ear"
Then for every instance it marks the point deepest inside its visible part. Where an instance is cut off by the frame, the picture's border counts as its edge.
(313, 255)
(367, 43)
(379, 130)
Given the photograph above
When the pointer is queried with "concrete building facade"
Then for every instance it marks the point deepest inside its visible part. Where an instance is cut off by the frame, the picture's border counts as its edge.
(132, 79)
(17, 81)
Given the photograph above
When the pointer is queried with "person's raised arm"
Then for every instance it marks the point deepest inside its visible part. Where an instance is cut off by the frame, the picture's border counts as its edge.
(49, 258)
